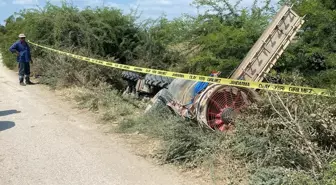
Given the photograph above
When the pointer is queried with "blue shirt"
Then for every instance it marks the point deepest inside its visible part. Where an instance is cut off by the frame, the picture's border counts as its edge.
(23, 49)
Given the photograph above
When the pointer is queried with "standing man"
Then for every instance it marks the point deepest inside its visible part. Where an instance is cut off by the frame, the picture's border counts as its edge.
(22, 50)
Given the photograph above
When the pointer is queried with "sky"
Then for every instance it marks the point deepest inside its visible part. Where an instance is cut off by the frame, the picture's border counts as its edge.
(148, 8)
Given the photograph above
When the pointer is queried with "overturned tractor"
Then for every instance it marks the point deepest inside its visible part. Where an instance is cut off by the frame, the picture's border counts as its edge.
(144, 86)
(215, 106)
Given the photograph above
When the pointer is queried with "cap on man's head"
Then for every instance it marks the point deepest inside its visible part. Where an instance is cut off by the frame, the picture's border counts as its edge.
(22, 35)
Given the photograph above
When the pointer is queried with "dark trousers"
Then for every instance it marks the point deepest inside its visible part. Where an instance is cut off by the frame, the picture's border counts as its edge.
(24, 71)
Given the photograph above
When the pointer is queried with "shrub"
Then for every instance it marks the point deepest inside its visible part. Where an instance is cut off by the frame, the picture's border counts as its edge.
(288, 131)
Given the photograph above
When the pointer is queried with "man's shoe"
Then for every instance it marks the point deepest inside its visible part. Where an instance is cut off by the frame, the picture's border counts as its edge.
(29, 82)
(22, 84)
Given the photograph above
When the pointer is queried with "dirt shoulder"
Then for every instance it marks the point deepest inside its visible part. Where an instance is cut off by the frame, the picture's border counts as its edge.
(45, 140)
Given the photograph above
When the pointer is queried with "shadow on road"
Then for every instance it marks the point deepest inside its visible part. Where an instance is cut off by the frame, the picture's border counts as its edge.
(4, 125)
(34, 83)
(8, 112)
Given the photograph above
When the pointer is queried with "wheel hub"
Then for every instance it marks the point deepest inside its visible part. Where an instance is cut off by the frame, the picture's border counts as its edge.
(227, 115)
(223, 106)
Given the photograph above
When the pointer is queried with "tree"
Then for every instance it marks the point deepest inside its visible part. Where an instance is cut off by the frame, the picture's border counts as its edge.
(2, 29)
(314, 55)
(225, 32)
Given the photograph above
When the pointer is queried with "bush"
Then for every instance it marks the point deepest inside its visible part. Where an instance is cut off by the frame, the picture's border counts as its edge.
(270, 176)
(185, 143)
(286, 139)
(102, 33)
(288, 132)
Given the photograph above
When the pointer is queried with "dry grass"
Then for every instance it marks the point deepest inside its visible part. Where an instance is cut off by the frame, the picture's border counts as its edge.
(256, 154)
(161, 138)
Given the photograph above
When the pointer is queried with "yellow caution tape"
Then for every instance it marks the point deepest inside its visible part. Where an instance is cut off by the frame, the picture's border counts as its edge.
(215, 80)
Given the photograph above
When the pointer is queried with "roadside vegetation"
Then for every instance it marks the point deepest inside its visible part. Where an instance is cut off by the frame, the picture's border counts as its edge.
(284, 139)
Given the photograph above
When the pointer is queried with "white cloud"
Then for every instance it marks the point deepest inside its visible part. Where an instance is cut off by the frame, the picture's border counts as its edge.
(25, 2)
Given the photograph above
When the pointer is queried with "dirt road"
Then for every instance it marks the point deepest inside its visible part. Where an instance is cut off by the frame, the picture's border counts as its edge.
(44, 141)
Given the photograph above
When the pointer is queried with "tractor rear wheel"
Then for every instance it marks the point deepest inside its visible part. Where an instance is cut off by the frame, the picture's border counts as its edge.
(157, 81)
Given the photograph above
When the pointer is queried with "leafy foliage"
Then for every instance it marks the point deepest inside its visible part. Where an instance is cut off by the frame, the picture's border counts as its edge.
(224, 34)
(98, 33)
(287, 139)
(314, 54)
(290, 132)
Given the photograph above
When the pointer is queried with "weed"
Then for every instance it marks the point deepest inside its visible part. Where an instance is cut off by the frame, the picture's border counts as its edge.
(185, 143)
